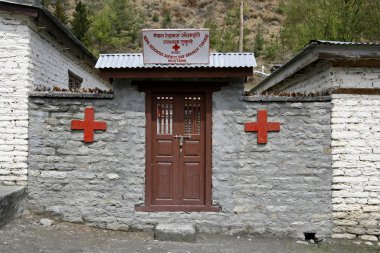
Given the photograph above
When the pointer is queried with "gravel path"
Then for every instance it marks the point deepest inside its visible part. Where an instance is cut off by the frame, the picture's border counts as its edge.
(28, 235)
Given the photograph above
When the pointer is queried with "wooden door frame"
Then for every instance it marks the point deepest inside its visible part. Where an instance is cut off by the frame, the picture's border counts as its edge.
(158, 87)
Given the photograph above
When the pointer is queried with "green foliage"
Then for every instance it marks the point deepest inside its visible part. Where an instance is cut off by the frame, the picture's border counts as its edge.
(212, 25)
(116, 27)
(45, 3)
(155, 18)
(341, 20)
(80, 23)
(280, 7)
(167, 20)
(225, 38)
(259, 42)
(273, 49)
(60, 12)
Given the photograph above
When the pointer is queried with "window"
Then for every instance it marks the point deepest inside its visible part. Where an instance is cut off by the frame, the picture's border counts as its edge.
(75, 81)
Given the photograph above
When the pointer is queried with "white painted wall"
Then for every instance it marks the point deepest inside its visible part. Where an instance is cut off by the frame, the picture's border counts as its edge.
(50, 65)
(321, 77)
(15, 82)
(355, 146)
(27, 60)
(316, 78)
(356, 77)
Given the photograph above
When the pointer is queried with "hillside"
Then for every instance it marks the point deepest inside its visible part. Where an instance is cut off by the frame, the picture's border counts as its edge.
(258, 14)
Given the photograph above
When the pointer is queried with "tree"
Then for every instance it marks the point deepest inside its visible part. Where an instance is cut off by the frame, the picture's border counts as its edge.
(45, 3)
(226, 38)
(115, 27)
(342, 20)
(80, 23)
(60, 12)
(167, 20)
(259, 42)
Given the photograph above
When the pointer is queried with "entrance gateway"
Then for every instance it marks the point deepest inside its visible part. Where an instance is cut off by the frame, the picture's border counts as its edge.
(178, 76)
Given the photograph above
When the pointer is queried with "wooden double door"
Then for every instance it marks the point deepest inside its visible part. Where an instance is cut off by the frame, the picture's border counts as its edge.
(178, 149)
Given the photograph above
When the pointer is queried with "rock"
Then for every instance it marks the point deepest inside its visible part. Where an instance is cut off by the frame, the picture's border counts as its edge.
(175, 232)
(113, 176)
(46, 222)
(116, 226)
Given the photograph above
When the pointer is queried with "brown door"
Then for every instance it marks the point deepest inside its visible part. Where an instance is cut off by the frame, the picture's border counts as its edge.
(178, 149)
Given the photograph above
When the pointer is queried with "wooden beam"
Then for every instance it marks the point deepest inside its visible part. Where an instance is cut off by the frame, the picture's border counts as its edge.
(365, 63)
(357, 91)
(170, 86)
(153, 73)
(19, 9)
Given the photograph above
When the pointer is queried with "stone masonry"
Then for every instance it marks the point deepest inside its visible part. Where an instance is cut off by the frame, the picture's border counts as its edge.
(282, 188)
(15, 84)
(355, 146)
(27, 59)
(321, 76)
(50, 65)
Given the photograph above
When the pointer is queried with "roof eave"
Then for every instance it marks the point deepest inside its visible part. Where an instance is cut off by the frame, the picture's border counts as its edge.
(57, 29)
(159, 73)
(301, 60)
(317, 51)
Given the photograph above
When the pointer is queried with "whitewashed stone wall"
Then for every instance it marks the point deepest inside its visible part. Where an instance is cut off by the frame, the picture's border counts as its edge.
(316, 77)
(15, 82)
(28, 59)
(50, 65)
(281, 188)
(356, 77)
(355, 146)
(321, 77)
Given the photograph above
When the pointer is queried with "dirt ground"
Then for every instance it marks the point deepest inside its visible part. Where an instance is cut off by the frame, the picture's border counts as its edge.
(28, 235)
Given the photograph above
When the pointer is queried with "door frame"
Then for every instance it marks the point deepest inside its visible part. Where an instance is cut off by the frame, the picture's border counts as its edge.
(193, 87)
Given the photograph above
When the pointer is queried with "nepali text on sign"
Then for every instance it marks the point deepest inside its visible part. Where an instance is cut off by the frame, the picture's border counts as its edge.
(171, 46)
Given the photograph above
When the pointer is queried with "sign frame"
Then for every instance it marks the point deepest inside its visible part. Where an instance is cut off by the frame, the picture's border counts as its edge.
(176, 30)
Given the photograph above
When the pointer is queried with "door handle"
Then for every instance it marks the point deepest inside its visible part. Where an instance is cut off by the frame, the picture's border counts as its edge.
(181, 138)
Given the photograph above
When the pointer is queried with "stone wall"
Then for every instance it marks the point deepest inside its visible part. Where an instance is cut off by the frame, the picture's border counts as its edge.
(28, 59)
(15, 83)
(281, 188)
(320, 77)
(356, 77)
(12, 203)
(355, 145)
(51, 63)
(315, 78)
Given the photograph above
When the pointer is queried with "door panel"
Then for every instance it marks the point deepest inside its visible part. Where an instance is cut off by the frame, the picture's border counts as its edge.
(192, 181)
(163, 175)
(164, 147)
(178, 150)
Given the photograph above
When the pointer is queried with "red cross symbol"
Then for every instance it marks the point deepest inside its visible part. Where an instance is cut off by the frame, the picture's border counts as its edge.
(262, 126)
(88, 125)
(176, 47)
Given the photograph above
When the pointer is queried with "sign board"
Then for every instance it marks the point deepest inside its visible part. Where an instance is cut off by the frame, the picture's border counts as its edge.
(172, 46)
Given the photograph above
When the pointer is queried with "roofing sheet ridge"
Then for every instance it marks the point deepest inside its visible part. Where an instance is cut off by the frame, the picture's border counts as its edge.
(217, 60)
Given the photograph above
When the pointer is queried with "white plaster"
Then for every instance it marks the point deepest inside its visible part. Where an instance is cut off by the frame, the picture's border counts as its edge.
(356, 167)
(28, 59)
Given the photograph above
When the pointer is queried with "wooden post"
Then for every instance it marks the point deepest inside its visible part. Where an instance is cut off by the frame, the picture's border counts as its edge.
(241, 25)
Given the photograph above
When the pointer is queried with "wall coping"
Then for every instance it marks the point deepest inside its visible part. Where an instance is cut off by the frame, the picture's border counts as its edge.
(260, 98)
(70, 95)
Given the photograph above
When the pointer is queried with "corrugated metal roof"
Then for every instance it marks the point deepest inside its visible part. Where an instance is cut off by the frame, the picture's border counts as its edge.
(217, 60)
(329, 42)
(312, 51)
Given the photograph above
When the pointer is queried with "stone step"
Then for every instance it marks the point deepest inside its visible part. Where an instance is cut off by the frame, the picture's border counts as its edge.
(175, 232)
(12, 202)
